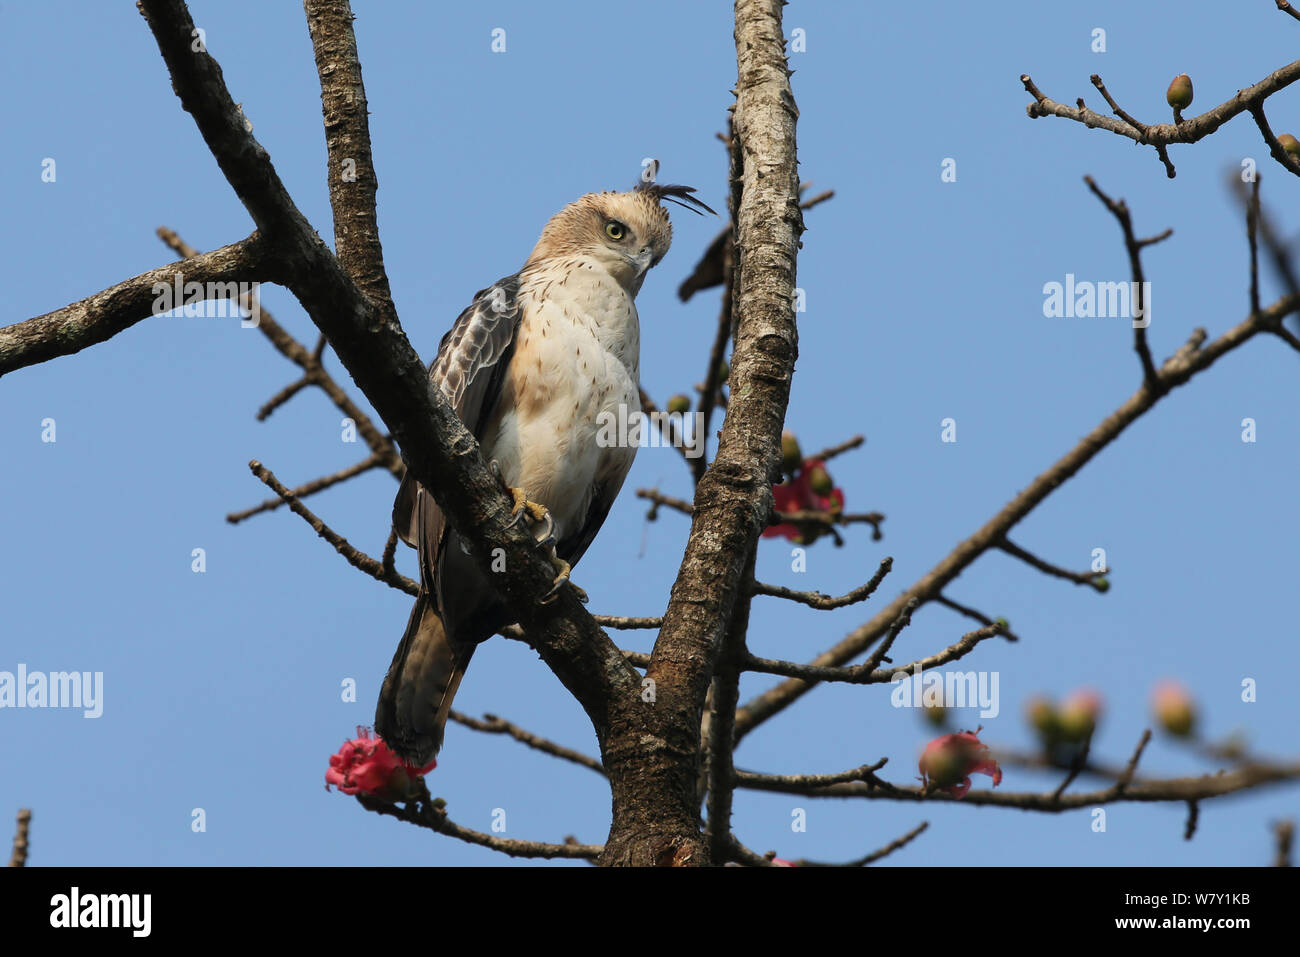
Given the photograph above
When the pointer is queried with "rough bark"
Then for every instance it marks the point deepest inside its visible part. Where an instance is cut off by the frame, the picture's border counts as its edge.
(103, 315)
(654, 776)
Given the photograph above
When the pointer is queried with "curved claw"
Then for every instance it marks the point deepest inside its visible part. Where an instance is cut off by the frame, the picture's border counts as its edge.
(564, 569)
(523, 507)
(546, 537)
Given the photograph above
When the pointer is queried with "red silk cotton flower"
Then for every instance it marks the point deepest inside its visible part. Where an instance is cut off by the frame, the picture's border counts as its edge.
(799, 495)
(366, 765)
(950, 760)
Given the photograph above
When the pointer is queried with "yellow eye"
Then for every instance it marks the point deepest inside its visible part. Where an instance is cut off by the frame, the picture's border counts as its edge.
(615, 231)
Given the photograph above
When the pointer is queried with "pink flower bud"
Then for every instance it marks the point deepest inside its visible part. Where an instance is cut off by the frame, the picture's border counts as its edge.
(1078, 715)
(1174, 708)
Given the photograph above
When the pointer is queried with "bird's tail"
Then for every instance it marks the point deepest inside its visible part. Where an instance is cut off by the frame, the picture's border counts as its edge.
(421, 682)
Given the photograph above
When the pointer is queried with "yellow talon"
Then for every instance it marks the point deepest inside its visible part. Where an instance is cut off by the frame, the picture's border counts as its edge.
(536, 511)
(563, 570)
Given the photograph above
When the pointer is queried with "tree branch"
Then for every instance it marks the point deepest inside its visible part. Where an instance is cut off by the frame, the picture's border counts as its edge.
(815, 599)
(354, 557)
(19, 856)
(1047, 568)
(1176, 371)
(1150, 791)
(890, 848)
(491, 724)
(99, 317)
(861, 674)
(438, 449)
(733, 498)
(1162, 135)
(424, 811)
(314, 373)
(719, 736)
(352, 179)
(1134, 246)
(308, 488)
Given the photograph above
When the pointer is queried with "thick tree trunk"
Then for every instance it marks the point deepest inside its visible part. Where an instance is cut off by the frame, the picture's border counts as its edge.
(652, 753)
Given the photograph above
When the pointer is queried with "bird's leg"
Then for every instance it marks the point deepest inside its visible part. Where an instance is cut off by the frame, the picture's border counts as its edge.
(535, 510)
(563, 570)
(545, 537)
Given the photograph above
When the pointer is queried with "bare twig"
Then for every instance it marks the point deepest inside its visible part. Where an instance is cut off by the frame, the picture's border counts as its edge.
(1134, 246)
(309, 488)
(863, 675)
(281, 397)
(890, 848)
(314, 373)
(826, 454)
(1076, 768)
(810, 202)
(1131, 768)
(709, 393)
(491, 724)
(655, 496)
(1252, 238)
(902, 621)
(823, 522)
(628, 622)
(1149, 791)
(1284, 834)
(1115, 108)
(672, 436)
(350, 553)
(976, 615)
(1162, 135)
(799, 783)
(822, 602)
(1079, 578)
(423, 811)
(19, 856)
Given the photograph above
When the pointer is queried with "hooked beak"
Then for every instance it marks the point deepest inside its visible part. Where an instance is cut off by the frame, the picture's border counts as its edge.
(643, 260)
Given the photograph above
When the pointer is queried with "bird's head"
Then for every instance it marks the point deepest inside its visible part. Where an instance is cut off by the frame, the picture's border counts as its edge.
(624, 233)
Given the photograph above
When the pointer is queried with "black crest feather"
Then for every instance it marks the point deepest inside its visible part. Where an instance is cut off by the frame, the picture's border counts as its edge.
(679, 195)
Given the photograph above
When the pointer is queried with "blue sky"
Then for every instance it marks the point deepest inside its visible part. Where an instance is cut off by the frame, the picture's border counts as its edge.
(924, 301)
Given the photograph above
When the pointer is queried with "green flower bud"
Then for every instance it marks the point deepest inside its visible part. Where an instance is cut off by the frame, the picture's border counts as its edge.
(1042, 715)
(819, 480)
(1180, 92)
(679, 404)
(791, 455)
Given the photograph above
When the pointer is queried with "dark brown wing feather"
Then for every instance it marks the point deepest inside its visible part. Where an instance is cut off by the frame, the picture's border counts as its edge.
(470, 365)
(435, 649)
